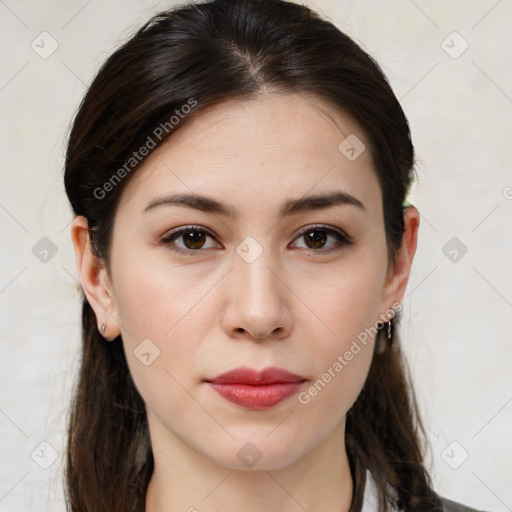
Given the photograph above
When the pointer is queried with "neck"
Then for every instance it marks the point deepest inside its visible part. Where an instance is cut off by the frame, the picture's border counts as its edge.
(186, 480)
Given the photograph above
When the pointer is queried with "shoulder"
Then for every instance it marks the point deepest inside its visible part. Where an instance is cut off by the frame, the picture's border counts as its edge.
(453, 506)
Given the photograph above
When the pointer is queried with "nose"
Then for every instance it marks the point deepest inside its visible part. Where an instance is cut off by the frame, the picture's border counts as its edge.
(257, 301)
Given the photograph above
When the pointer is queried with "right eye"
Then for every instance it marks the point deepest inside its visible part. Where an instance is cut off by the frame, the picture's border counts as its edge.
(193, 239)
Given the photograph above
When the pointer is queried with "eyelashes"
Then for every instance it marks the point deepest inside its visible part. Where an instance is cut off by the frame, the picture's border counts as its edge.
(196, 237)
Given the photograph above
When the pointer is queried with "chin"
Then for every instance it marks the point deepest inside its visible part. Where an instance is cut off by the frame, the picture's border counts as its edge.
(257, 453)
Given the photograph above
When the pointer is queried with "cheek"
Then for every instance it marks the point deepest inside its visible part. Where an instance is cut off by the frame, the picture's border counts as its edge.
(348, 304)
(160, 339)
(162, 312)
(156, 300)
(347, 299)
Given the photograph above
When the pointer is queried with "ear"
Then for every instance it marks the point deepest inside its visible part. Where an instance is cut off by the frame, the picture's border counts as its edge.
(94, 278)
(398, 274)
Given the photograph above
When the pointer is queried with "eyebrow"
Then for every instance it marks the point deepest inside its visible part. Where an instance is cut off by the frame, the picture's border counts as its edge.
(290, 207)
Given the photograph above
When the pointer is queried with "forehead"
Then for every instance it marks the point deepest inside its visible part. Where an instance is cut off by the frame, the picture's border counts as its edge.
(270, 144)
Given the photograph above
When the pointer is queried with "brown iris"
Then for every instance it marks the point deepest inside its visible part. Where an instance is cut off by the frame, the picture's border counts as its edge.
(197, 239)
(317, 238)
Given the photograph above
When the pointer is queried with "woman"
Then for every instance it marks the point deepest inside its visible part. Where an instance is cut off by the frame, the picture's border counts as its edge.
(238, 171)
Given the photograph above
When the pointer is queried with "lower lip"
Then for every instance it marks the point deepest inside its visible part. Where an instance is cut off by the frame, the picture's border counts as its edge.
(257, 397)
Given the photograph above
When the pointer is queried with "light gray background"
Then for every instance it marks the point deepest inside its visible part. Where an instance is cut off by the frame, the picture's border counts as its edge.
(456, 326)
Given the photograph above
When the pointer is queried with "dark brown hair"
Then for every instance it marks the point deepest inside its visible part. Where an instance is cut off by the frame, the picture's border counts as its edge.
(211, 52)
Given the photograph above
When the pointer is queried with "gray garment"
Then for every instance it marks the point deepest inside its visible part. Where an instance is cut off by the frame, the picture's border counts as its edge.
(370, 503)
(453, 506)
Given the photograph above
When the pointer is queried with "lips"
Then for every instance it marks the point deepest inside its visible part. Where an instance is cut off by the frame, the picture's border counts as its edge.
(254, 389)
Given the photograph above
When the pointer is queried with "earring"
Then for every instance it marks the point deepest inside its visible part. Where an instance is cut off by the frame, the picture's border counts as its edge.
(382, 343)
(103, 328)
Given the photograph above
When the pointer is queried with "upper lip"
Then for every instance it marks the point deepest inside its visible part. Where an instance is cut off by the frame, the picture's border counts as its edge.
(269, 375)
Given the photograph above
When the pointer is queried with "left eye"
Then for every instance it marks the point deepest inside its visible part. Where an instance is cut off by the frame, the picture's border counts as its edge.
(194, 238)
(316, 237)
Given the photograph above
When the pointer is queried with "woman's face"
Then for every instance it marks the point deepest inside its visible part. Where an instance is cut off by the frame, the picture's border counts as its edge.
(266, 277)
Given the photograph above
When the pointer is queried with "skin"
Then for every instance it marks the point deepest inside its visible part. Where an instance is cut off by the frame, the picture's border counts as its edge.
(212, 311)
